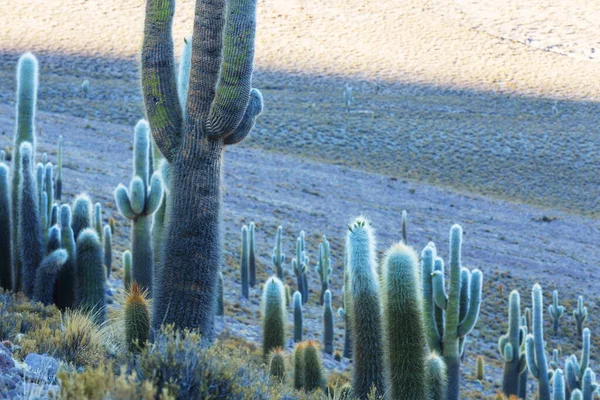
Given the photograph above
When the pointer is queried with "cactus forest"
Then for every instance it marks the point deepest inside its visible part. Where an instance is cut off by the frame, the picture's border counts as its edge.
(242, 199)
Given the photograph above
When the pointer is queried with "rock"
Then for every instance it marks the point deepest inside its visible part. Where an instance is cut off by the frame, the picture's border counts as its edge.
(43, 366)
(6, 361)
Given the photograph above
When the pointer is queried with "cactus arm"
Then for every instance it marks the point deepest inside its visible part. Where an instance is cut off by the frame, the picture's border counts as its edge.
(155, 195)
(141, 151)
(585, 353)
(433, 338)
(183, 76)
(123, 202)
(465, 284)
(530, 355)
(137, 195)
(467, 325)
(253, 110)
(439, 291)
(158, 77)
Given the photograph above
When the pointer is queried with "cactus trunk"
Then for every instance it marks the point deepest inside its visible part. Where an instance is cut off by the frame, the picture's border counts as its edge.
(142, 268)
(5, 226)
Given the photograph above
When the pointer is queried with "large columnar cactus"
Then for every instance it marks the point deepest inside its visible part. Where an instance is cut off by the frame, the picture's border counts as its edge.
(328, 324)
(82, 214)
(5, 227)
(278, 257)
(580, 314)
(30, 242)
(455, 312)
(558, 385)
(510, 346)
(300, 266)
(274, 317)
(314, 377)
(365, 310)
(403, 331)
(47, 276)
(27, 85)
(324, 267)
(297, 317)
(437, 382)
(535, 346)
(220, 110)
(58, 188)
(252, 255)
(137, 318)
(66, 283)
(220, 299)
(298, 361)
(556, 311)
(91, 278)
(244, 261)
(575, 369)
(107, 238)
(138, 204)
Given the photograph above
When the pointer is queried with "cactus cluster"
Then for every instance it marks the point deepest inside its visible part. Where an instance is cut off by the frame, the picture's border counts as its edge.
(510, 347)
(324, 267)
(300, 266)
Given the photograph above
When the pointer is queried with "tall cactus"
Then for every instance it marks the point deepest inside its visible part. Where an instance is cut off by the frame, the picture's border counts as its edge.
(58, 188)
(66, 283)
(298, 360)
(298, 329)
(98, 220)
(525, 372)
(328, 324)
(47, 276)
(575, 369)
(558, 385)
(27, 86)
(556, 311)
(244, 261)
(404, 333)
(580, 314)
(220, 110)
(6, 280)
(455, 312)
(365, 310)
(535, 346)
(510, 346)
(91, 278)
(138, 204)
(107, 238)
(137, 318)
(274, 317)
(30, 234)
(278, 257)
(82, 214)
(324, 266)
(252, 255)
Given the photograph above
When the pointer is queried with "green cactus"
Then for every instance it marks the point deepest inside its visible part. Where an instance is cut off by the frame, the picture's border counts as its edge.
(138, 204)
(298, 359)
(480, 368)
(107, 238)
(297, 317)
(580, 315)
(160, 220)
(535, 346)
(220, 300)
(556, 311)
(127, 278)
(328, 324)
(525, 372)
(274, 317)
(29, 230)
(66, 284)
(300, 265)
(456, 312)
(277, 365)
(437, 381)
(278, 257)
(403, 330)
(58, 188)
(220, 110)
(558, 385)
(137, 318)
(404, 221)
(47, 276)
(82, 214)
(244, 261)
(575, 369)
(251, 255)
(49, 188)
(98, 220)
(589, 386)
(91, 276)
(6, 280)
(53, 242)
(576, 395)
(323, 267)
(27, 86)
(54, 214)
(343, 312)
(554, 361)
(510, 347)
(365, 310)
(314, 377)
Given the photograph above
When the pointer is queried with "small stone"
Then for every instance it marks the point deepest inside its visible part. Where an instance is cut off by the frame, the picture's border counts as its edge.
(42, 365)
(6, 361)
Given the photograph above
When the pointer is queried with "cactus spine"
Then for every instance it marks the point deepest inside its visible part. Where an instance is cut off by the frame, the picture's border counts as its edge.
(137, 318)
(91, 277)
(220, 300)
(298, 359)
(328, 323)
(575, 369)
(297, 317)
(107, 237)
(437, 381)
(58, 191)
(580, 315)
(510, 347)
(278, 257)
(138, 204)
(404, 334)
(127, 278)
(47, 276)
(6, 280)
(252, 255)
(556, 311)
(323, 267)
(66, 284)
(27, 85)
(534, 346)
(244, 261)
(314, 378)
(274, 318)
(365, 311)
(277, 365)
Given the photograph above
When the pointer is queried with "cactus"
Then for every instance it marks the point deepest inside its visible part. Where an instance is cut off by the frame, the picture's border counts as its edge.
(47, 276)
(91, 277)
(107, 238)
(456, 312)
(27, 85)
(127, 278)
(137, 318)
(328, 323)
(300, 265)
(66, 284)
(30, 234)
(323, 267)
(278, 257)
(534, 346)
(314, 377)
(58, 188)
(575, 369)
(298, 359)
(220, 300)
(53, 242)
(82, 214)
(6, 280)
(404, 220)
(437, 381)
(554, 361)
(138, 204)
(589, 385)
(525, 372)
(297, 317)
(54, 214)
(220, 110)
(576, 395)
(183, 76)
(343, 312)
(49, 188)
(580, 315)
(244, 261)
(159, 220)
(365, 312)
(274, 317)
(251, 255)
(558, 385)
(98, 220)
(556, 311)
(403, 331)
(480, 368)
(277, 365)
(510, 347)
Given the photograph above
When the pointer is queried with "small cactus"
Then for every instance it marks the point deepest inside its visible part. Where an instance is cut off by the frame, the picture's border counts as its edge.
(58, 187)
(251, 255)
(220, 300)
(274, 317)
(580, 315)
(244, 261)
(278, 257)
(436, 377)
(107, 237)
(324, 267)
(66, 284)
(558, 385)
(6, 280)
(127, 269)
(556, 311)
(277, 365)
(91, 277)
(314, 377)
(297, 317)
(47, 276)
(574, 368)
(480, 368)
(98, 220)
(298, 359)
(137, 318)
(328, 324)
